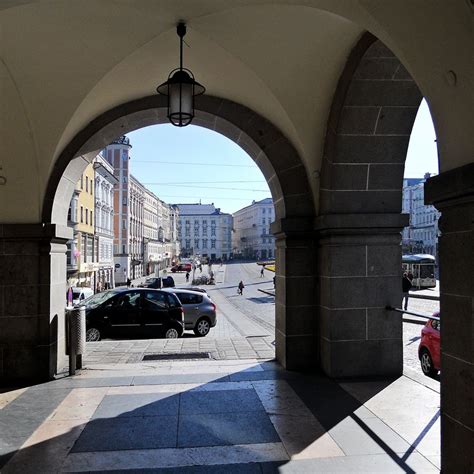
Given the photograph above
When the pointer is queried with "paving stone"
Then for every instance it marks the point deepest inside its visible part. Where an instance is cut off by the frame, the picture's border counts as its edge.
(225, 429)
(223, 401)
(149, 404)
(142, 432)
(179, 378)
(369, 436)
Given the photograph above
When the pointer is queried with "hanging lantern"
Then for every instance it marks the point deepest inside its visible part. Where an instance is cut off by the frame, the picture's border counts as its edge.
(180, 88)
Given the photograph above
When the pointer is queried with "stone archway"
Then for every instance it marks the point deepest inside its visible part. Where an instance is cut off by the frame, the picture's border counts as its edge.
(284, 172)
(360, 219)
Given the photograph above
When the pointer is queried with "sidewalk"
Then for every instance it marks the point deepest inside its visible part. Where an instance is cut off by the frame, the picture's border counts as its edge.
(219, 416)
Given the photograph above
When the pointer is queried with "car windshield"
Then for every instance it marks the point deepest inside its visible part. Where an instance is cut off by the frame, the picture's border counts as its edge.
(75, 295)
(97, 299)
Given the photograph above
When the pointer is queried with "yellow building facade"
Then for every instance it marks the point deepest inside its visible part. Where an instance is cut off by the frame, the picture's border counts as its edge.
(86, 252)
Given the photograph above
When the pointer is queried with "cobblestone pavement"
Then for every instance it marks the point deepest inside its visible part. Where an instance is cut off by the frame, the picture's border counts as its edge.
(245, 328)
(236, 336)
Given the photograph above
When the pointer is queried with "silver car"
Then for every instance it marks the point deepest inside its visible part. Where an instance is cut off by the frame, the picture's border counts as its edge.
(199, 310)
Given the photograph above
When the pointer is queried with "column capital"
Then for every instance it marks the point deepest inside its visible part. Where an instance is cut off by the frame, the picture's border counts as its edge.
(38, 231)
(299, 227)
(451, 188)
(358, 224)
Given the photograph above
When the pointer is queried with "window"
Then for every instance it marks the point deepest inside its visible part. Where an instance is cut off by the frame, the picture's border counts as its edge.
(189, 298)
(204, 243)
(155, 300)
(124, 224)
(124, 180)
(196, 243)
(128, 300)
(213, 243)
(213, 231)
(188, 243)
(87, 216)
(125, 201)
(92, 219)
(264, 210)
(82, 182)
(82, 215)
(87, 184)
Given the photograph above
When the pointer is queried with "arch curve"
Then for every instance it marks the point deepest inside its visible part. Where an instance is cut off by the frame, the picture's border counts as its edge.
(273, 153)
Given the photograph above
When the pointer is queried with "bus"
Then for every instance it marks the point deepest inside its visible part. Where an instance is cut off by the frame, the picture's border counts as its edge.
(422, 267)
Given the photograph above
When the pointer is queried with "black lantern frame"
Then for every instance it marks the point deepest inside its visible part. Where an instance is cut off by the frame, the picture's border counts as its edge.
(180, 88)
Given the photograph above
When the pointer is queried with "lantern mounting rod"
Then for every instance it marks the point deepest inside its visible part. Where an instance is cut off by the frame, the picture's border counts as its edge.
(181, 30)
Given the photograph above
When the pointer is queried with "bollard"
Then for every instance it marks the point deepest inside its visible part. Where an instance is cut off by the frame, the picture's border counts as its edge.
(76, 337)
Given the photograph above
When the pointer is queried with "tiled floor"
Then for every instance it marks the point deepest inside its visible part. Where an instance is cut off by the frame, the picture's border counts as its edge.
(219, 416)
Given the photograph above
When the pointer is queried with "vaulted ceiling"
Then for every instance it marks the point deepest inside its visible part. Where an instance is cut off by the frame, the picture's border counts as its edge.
(63, 63)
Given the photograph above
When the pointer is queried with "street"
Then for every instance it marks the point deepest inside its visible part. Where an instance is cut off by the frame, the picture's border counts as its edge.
(246, 323)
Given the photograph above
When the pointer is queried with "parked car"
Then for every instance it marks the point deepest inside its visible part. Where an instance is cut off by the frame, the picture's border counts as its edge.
(182, 267)
(199, 310)
(80, 294)
(157, 282)
(124, 312)
(429, 348)
(192, 288)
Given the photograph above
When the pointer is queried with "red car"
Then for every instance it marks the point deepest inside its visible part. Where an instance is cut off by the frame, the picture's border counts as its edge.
(182, 267)
(429, 348)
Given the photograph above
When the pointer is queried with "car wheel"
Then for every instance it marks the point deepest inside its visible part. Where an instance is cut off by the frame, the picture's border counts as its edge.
(427, 363)
(202, 328)
(93, 335)
(172, 333)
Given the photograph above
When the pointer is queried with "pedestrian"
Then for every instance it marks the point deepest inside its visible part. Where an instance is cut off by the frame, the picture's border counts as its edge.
(274, 282)
(406, 287)
(129, 282)
(261, 272)
(240, 288)
(187, 277)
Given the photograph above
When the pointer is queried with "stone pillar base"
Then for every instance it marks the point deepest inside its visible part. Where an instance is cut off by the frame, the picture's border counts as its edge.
(32, 300)
(359, 268)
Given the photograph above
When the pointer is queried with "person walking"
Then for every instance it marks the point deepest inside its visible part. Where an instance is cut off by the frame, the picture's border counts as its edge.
(240, 288)
(262, 272)
(129, 282)
(406, 287)
(187, 277)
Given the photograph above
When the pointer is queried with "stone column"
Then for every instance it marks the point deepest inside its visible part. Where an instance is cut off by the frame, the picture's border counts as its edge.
(295, 307)
(452, 193)
(359, 268)
(32, 300)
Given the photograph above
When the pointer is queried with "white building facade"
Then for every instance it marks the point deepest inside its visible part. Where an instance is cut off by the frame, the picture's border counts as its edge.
(251, 238)
(421, 236)
(205, 231)
(104, 181)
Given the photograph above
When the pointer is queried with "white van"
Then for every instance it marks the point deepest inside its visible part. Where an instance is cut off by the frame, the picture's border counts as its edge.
(80, 294)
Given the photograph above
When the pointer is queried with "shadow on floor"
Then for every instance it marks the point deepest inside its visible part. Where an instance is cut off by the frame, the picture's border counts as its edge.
(207, 417)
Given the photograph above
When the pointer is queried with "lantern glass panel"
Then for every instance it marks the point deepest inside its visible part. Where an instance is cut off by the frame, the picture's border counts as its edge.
(180, 99)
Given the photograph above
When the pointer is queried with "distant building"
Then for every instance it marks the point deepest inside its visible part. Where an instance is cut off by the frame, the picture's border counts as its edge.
(145, 227)
(104, 221)
(82, 254)
(117, 154)
(160, 245)
(421, 235)
(204, 230)
(251, 237)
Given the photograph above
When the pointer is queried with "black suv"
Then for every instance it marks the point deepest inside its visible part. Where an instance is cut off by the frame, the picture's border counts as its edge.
(125, 312)
(157, 282)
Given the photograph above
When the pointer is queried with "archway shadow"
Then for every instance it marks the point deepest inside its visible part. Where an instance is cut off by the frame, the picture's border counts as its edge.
(249, 420)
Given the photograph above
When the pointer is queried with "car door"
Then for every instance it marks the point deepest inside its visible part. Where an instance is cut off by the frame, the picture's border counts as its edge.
(122, 313)
(435, 343)
(190, 304)
(154, 311)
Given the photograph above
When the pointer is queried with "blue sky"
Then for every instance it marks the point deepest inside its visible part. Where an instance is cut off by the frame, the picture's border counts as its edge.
(185, 165)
